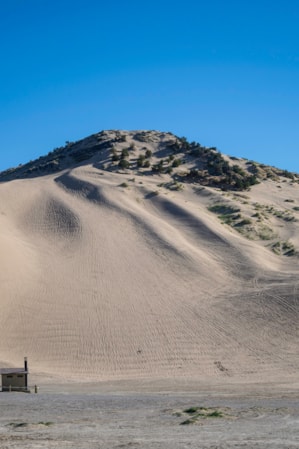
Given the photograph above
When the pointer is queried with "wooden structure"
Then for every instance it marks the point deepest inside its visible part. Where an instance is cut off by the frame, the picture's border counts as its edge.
(15, 379)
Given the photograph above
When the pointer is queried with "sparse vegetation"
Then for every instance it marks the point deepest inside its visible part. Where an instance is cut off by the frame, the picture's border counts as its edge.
(141, 160)
(243, 222)
(265, 232)
(176, 162)
(17, 425)
(198, 413)
(124, 163)
(124, 153)
(285, 248)
(159, 167)
(224, 209)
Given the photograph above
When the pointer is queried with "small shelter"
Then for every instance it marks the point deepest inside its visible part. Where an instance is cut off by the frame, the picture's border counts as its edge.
(15, 379)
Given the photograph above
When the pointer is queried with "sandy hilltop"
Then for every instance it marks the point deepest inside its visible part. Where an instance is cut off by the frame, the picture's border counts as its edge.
(140, 255)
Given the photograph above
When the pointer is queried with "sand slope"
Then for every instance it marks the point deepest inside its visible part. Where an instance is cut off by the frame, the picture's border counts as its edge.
(103, 280)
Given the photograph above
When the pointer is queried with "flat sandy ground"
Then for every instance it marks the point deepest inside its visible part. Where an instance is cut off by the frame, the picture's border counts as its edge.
(94, 417)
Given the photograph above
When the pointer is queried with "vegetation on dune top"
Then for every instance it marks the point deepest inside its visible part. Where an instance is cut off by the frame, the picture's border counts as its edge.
(152, 152)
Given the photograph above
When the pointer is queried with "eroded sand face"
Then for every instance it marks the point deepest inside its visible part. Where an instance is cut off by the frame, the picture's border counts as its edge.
(109, 275)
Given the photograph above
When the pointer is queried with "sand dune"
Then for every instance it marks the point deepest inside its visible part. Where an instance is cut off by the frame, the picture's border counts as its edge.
(105, 276)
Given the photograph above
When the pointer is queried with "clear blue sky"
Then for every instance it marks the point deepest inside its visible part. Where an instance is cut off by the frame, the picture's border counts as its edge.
(222, 72)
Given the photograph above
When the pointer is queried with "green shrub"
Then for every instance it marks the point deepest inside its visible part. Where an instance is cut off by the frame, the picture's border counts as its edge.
(141, 160)
(244, 222)
(191, 410)
(176, 162)
(148, 154)
(124, 153)
(124, 163)
(224, 209)
(158, 167)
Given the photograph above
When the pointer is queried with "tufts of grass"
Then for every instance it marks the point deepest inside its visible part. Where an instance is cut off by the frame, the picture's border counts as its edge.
(285, 248)
(17, 425)
(193, 410)
(265, 233)
(224, 209)
(215, 414)
(188, 421)
(243, 222)
(288, 248)
(197, 413)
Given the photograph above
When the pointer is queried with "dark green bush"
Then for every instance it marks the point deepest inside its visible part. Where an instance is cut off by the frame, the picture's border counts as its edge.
(148, 154)
(124, 163)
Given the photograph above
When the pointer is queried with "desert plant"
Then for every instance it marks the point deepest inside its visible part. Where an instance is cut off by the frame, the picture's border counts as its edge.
(124, 153)
(224, 209)
(148, 154)
(140, 160)
(124, 163)
(244, 222)
(158, 167)
(176, 162)
(169, 170)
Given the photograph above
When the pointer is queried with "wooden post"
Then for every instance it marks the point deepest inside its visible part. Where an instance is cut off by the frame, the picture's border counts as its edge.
(26, 373)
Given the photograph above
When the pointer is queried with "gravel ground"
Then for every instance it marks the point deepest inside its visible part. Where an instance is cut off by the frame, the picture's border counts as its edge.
(96, 420)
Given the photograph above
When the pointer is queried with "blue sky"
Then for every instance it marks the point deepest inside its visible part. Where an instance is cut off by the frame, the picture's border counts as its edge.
(223, 73)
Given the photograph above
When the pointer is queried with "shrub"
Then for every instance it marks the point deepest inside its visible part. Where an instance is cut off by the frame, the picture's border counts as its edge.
(141, 160)
(224, 209)
(123, 163)
(148, 154)
(244, 222)
(176, 162)
(124, 153)
(238, 169)
(158, 167)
